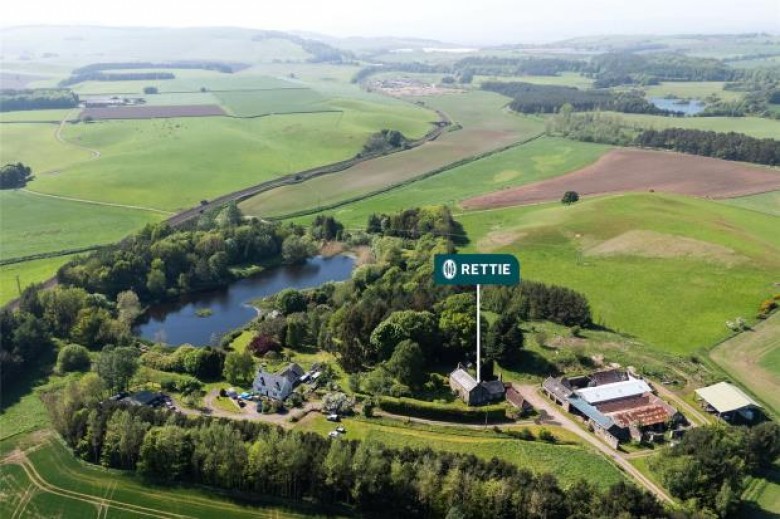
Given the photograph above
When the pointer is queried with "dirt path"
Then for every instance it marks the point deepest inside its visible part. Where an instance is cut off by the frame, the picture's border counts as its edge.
(58, 135)
(741, 358)
(686, 408)
(94, 202)
(425, 421)
(558, 418)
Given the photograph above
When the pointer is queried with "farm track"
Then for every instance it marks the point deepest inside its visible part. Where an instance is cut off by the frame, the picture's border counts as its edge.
(301, 176)
(41, 484)
(58, 135)
(541, 403)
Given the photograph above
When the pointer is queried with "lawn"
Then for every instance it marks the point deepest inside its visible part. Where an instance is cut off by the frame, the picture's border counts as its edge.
(537, 160)
(764, 202)
(32, 224)
(173, 164)
(677, 302)
(29, 272)
(82, 490)
(755, 126)
(486, 126)
(36, 145)
(753, 359)
(569, 463)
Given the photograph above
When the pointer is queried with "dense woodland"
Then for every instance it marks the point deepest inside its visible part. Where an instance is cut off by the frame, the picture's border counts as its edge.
(607, 129)
(532, 99)
(37, 99)
(367, 477)
(116, 76)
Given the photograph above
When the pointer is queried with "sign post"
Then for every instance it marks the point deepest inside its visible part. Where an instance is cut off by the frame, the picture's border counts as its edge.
(476, 269)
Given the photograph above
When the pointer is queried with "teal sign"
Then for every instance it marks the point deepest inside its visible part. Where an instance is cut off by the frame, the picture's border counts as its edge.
(476, 269)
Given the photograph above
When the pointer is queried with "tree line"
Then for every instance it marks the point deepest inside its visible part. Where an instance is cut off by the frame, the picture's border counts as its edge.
(366, 477)
(116, 76)
(217, 66)
(37, 99)
(608, 129)
(531, 99)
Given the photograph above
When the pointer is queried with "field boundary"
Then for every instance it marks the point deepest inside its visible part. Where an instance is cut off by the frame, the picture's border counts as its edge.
(426, 175)
(50, 254)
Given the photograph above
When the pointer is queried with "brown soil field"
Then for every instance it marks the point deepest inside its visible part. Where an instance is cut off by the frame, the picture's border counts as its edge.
(642, 170)
(152, 112)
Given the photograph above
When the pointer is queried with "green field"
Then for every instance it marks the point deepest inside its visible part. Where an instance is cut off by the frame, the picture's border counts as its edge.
(572, 79)
(487, 126)
(765, 202)
(753, 359)
(567, 462)
(54, 484)
(35, 116)
(172, 164)
(674, 294)
(32, 224)
(28, 272)
(755, 126)
(248, 103)
(692, 89)
(36, 145)
(537, 160)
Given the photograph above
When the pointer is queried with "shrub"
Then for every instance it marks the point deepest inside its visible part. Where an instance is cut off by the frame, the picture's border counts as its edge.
(73, 357)
(444, 412)
(262, 344)
(547, 436)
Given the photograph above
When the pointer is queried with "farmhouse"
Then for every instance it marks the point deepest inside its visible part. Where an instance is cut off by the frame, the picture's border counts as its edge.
(473, 392)
(278, 385)
(616, 405)
(728, 402)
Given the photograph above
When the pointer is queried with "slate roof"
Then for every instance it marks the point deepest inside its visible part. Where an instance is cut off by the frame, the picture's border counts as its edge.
(494, 387)
(725, 397)
(591, 412)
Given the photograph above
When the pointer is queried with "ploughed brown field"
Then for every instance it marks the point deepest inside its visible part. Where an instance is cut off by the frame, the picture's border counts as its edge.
(642, 170)
(152, 112)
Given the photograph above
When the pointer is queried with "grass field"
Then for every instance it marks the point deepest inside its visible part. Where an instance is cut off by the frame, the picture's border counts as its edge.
(540, 159)
(29, 272)
(754, 126)
(54, 484)
(285, 100)
(572, 79)
(32, 224)
(486, 126)
(765, 202)
(753, 359)
(205, 158)
(692, 89)
(36, 145)
(673, 294)
(567, 462)
(35, 116)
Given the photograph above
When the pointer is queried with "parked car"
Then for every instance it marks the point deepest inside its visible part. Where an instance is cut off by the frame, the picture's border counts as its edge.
(341, 430)
(333, 434)
(333, 417)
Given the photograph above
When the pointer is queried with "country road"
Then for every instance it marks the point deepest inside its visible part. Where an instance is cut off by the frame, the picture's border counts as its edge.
(530, 392)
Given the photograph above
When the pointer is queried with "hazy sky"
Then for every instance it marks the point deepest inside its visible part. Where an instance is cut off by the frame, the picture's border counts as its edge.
(465, 21)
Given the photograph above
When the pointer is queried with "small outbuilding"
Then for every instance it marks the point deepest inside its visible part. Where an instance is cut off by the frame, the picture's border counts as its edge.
(473, 392)
(728, 402)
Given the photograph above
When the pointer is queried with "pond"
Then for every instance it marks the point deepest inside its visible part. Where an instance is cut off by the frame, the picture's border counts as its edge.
(225, 309)
(686, 106)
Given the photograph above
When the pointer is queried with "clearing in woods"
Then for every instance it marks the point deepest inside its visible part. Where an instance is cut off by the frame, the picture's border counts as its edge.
(753, 359)
(642, 170)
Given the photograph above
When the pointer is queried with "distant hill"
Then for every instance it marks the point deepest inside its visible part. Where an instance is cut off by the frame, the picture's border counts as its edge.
(80, 45)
